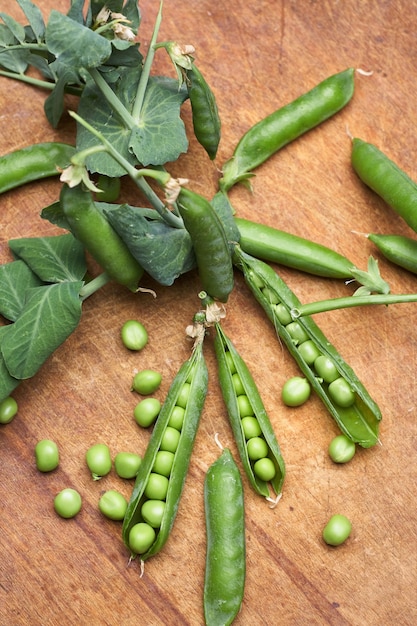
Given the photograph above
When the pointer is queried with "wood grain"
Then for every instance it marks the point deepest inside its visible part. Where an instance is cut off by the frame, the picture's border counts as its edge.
(257, 56)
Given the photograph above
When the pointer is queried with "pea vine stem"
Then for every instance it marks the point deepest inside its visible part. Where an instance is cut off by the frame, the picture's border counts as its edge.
(333, 304)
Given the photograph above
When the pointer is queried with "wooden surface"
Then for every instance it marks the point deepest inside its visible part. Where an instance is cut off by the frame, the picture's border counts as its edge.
(257, 56)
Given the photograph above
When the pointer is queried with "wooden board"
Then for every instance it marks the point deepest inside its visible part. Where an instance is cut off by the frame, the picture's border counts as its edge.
(257, 56)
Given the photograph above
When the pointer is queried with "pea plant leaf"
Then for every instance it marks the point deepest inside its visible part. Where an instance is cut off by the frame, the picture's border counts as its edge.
(164, 252)
(54, 259)
(7, 382)
(50, 315)
(370, 281)
(35, 19)
(15, 28)
(15, 280)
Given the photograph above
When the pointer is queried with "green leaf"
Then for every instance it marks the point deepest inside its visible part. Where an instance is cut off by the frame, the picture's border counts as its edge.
(54, 103)
(54, 214)
(7, 382)
(15, 28)
(54, 259)
(34, 16)
(51, 314)
(164, 252)
(14, 60)
(371, 281)
(15, 280)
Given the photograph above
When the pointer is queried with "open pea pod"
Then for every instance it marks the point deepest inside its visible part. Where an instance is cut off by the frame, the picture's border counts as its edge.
(192, 377)
(360, 420)
(237, 381)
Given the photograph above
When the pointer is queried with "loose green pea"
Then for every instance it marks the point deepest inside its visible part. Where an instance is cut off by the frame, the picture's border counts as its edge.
(134, 335)
(337, 530)
(146, 382)
(238, 385)
(245, 407)
(98, 460)
(163, 462)
(251, 427)
(141, 537)
(8, 410)
(157, 487)
(113, 505)
(257, 448)
(176, 419)
(152, 512)
(326, 369)
(309, 351)
(342, 394)
(183, 395)
(296, 332)
(296, 391)
(283, 314)
(46, 455)
(264, 469)
(127, 464)
(67, 503)
(341, 449)
(146, 411)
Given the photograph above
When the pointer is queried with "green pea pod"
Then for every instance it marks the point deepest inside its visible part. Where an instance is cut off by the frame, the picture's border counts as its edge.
(224, 580)
(225, 350)
(286, 124)
(360, 420)
(89, 225)
(206, 120)
(212, 251)
(35, 162)
(194, 370)
(386, 179)
(398, 249)
(270, 244)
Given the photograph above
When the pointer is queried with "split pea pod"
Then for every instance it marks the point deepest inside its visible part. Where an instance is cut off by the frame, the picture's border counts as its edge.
(398, 249)
(386, 179)
(289, 122)
(34, 162)
(211, 247)
(255, 439)
(334, 381)
(159, 483)
(224, 580)
(89, 225)
(206, 119)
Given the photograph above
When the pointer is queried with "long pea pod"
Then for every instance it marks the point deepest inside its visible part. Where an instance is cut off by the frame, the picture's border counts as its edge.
(398, 249)
(206, 120)
(194, 376)
(239, 389)
(360, 420)
(286, 124)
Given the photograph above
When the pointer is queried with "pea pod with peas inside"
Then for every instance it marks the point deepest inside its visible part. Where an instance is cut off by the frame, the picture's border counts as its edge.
(334, 381)
(255, 439)
(159, 483)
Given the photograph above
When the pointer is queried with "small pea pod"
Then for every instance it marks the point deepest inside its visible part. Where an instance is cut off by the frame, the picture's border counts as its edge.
(398, 249)
(186, 397)
(225, 572)
(206, 119)
(89, 225)
(252, 429)
(35, 162)
(386, 179)
(208, 236)
(286, 124)
(334, 381)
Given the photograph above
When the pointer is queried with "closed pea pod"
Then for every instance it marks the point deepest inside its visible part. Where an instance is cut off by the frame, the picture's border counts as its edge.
(225, 571)
(175, 476)
(398, 249)
(206, 120)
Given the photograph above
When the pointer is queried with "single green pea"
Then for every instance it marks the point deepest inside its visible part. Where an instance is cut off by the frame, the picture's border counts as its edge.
(256, 280)
(270, 295)
(134, 335)
(8, 410)
(296, 391)
(153, 512)
(251, 427)
(341, 449)
(296, 332)
(146, 411)
(146, 382)
(141, 537)
(283, 314)
(264, 469)
(98, 460)
(257, 448)
(341, 392)
(127, 464)
(67, 503)
(176, 419)
(163, 462)
(113, 505)
(170, 439)
(183, 395)
(337, 530)
(326, 369)
(157, 487)
(309, 351)
(230, 363)
(244, 405)
(238, 385)
(46, 455)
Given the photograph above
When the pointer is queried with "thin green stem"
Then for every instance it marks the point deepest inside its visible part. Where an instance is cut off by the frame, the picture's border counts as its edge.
(112, 99)
(94, 285)
(42, 84)
(146, 70)
(333, 304)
